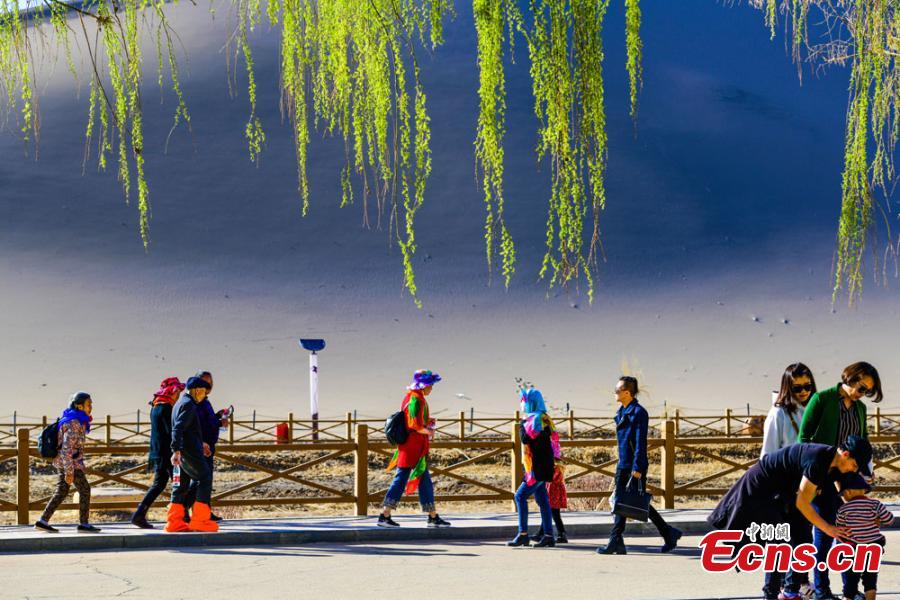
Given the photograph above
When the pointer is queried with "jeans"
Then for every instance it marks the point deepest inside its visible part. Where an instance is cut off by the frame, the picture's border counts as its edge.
(193, 468)
(62, 490)
(622, 477)
(826, 505)
(801, 533)
(539, 489)
(161, 477)
(398, 485)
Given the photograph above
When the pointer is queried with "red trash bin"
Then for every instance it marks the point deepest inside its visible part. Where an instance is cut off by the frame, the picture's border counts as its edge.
(281, 434)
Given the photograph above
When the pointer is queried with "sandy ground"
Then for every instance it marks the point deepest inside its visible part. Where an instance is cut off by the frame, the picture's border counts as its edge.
(718, 234)
(440, 570)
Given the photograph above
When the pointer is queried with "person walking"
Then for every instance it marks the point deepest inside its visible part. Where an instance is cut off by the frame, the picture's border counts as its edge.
(160, 460)
(559, 499)
(411, 457)
(632, 422)
(189, 454)
(210, 425)
(74, 425)
(831, 417)
(780, 488)
(540, 448)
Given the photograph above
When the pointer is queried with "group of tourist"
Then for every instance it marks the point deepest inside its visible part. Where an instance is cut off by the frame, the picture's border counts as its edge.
(814, 470)
(184, 430)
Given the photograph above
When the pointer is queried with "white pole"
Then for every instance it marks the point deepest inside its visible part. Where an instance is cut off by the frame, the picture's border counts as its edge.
(314, 393)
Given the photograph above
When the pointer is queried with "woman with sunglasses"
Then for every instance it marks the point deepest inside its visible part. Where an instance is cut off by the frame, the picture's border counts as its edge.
(832, 416)
(782, 427)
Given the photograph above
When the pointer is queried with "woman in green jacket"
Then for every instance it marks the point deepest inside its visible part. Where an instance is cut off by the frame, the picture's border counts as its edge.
(831, 416)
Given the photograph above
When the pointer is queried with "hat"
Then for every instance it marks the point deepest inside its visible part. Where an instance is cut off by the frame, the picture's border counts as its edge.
(854, 481)
(423, 379)
(861, 450)
(196, 382)
(169, 386)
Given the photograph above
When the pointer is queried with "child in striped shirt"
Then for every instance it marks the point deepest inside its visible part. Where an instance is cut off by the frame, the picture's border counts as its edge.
(863, 517)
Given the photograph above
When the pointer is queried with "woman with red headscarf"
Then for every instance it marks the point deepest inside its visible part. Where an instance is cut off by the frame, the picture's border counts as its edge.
(160, 446)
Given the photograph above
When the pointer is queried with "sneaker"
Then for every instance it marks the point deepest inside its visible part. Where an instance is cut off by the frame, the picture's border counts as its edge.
(384, 521)
(87, 528)
(437, 521)
(43, 525)
(806, 591)
(786, 595)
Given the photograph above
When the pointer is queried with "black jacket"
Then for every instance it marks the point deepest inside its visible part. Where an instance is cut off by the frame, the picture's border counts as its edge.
(161, 433)
(187, 436)
(541, 453)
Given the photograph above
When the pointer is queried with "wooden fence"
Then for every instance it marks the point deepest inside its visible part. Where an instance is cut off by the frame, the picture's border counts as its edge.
(107, 432)
(350, 471)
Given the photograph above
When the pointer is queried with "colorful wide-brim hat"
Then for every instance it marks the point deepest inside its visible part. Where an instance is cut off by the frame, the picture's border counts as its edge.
(423, 379)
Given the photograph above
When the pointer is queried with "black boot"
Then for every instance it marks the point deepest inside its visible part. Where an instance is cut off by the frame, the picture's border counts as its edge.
(546, 541)
(671, 539)
(139, 518)
(538, 536)
(561, 538)
(521, 539)
(615, 546)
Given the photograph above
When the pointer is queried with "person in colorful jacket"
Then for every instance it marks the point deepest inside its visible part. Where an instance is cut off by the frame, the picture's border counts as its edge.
(160, 459)
(411, 457)
(74, 425)
(632, 422)
(831, 417)
(540, 448)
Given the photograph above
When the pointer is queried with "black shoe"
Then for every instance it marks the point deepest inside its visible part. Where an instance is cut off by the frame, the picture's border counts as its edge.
(43, 525)
(562, 539)
(139, 519)
(546, 541)
(214, 517)
(671, 540)
(87, 528)
(538, 536)
(521, 539)
(613, 547)
(824, 595)
(437, 521)
(384, 521)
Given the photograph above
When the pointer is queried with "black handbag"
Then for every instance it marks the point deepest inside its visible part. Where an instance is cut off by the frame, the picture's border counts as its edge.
(633, 502)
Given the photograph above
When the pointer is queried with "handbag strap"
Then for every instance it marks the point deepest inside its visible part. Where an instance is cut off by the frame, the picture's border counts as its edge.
(793, 423)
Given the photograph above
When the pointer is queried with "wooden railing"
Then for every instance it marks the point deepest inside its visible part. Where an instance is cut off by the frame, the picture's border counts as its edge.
(351, 471)
(107, 432)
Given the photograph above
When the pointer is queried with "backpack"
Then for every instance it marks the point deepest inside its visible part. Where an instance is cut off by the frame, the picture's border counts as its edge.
(395, 428)
(48, 442)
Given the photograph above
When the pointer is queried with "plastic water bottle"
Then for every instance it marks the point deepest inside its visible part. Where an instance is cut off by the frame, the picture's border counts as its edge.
(225, 414)
(176, 476)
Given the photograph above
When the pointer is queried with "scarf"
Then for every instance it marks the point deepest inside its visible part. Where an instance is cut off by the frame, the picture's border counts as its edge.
(535, 421)
(73, 414)
(168, 392)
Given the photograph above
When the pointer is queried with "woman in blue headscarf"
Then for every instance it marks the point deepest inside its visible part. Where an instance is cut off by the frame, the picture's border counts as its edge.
(540, 448)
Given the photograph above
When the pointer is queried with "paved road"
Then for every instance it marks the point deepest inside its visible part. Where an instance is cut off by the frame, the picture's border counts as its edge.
(459, 569)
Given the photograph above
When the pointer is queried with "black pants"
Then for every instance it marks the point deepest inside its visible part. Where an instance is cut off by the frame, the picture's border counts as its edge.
(622, 477)
(193, 468)
(869, 579)
(557, 520)
(62, 490)
(161, 476)
(195, 485)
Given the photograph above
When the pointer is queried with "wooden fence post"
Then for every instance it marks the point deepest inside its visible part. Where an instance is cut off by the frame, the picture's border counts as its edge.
(22, 477)
(349, 426)
(361, 466)
(108, 430)
(571, 424)
(462, 425)
(231, 429)
(878, 421)
(517, 471)
(44, 422)
(677, 421)
(290, 425)
(728, 422)
(668, 464)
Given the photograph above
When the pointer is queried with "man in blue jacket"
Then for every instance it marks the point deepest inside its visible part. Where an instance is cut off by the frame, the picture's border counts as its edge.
(632, 422)
(189, 454)
(209, 427)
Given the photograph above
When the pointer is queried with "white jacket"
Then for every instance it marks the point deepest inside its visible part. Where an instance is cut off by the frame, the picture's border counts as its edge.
(778, 432)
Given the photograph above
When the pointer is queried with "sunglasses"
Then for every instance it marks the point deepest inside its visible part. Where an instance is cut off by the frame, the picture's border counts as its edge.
(806, 387)
(862, 389)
